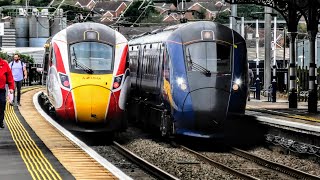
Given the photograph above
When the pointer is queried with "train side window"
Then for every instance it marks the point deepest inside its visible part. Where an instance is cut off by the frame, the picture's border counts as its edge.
(144, 63)
(166, 72)
(133, 62)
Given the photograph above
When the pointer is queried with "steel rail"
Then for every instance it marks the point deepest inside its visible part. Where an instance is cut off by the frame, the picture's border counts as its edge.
(219, 165)
(150, 168)
(273, 165)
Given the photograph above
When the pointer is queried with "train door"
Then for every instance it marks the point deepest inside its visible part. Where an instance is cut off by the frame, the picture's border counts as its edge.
(160, 72)
(140, 68)
(45, 65)
(134, 54)
(52, 78)
(166, 89)
(150, 70)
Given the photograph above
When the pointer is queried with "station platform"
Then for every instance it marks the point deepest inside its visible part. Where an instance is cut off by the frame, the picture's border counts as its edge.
(278, 113)
(32, 148)
(281, 106)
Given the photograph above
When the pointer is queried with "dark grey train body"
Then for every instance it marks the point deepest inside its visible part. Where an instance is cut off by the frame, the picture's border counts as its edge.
(192, 74)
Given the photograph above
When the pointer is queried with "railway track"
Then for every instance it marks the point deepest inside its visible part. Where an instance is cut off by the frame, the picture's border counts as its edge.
(150, 168)
(269, 168)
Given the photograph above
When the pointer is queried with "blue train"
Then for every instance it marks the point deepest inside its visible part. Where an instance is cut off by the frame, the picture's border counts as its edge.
(187, 78)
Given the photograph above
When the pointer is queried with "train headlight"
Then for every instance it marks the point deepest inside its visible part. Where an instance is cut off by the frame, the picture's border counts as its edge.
(64, 80)
(117, 82)
(235, 87)
(238, 82)
(181, 83)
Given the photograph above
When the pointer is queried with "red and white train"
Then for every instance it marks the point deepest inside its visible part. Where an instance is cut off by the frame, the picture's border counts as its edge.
(87, 77)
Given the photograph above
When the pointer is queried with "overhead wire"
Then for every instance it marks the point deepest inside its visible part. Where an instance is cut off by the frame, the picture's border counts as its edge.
(122, 14)
(218, 13)
(145, 9)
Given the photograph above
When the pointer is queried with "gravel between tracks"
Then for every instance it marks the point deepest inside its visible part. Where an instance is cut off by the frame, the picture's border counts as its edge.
(245, 166)
(173, 160)
(306, 165)
(186, 166)
(122, 163)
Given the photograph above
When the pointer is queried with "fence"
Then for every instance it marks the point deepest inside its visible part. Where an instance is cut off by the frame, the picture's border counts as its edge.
(303, 78)
(303, 83)
(34, 75)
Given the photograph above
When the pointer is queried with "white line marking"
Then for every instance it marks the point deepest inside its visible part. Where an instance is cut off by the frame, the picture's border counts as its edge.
(114, 170)
(289, 124)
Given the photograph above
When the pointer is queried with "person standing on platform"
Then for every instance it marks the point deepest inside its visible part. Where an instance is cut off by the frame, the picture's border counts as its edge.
(19, 73)
(251, 76)
(5, 78)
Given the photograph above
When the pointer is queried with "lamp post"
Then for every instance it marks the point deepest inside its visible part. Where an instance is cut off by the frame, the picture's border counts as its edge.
(274, 82)
(274, 74)
(235, 19)
(257, 61)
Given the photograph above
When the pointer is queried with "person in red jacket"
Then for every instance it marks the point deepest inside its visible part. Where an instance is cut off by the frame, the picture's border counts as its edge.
(5, 78)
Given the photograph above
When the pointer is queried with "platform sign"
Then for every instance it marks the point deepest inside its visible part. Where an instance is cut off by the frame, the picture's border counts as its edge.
(1, 29)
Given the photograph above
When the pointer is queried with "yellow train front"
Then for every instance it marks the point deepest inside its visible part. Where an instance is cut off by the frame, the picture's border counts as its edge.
(87, 77)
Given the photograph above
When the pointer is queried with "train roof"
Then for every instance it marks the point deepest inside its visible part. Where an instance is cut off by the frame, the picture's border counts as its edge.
(186, 33)
(101, 33)
(77, 32)
(157, 35)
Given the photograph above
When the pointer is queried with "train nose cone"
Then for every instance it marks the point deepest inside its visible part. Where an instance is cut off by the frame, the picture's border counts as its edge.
(208, 100)
(209, 106)
(91, 103)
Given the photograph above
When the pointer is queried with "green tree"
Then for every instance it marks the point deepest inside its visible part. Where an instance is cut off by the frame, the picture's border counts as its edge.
(24, 57)
(246, 10)
(201, 14)
(133, 13)
(153, 18)
(302, 28)
(5, 2)
(4, 55)
(39, 2)
(222, 17)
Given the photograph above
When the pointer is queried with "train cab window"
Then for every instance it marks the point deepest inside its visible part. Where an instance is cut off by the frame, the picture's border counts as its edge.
(91, 57)
(53, 60)
(224, 54)
(209, 56)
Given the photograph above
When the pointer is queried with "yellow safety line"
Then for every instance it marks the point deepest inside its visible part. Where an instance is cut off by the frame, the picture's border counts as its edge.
(37, 150)
(34, 147)
(26, 139)
(24, 147)
(29, 151)
(284, 115)
(22, 151)
(32, 152)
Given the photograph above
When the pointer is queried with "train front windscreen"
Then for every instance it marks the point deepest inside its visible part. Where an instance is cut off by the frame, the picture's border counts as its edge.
(91, 57)
(208, 56)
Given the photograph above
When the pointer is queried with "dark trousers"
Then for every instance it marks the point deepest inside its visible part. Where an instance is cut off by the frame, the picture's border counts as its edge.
(2, 104)
(18, 85)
